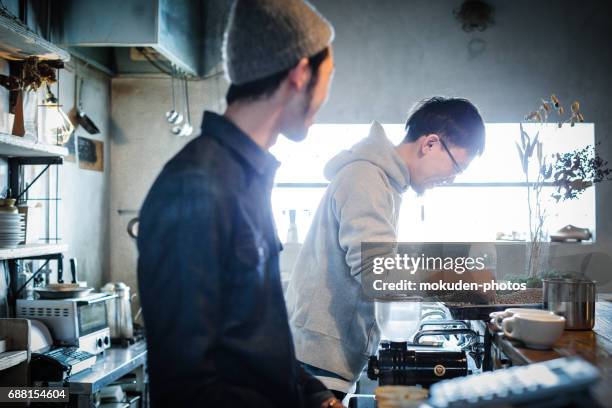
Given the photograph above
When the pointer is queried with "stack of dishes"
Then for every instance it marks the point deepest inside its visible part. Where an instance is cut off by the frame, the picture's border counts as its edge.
(12, 229)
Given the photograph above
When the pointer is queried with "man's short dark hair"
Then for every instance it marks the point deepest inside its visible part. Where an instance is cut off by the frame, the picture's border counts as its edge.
(455, 119)
(267, 86)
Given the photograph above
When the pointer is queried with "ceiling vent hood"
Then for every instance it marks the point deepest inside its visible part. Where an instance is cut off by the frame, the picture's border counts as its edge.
(115, 34)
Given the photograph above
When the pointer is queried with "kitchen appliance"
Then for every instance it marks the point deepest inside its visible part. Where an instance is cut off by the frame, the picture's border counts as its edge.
(79, 322)
(398, 320)
(119, 312)
(59, 364)
(572, 298)
(169, 31)
(419, 362)
(396, 364)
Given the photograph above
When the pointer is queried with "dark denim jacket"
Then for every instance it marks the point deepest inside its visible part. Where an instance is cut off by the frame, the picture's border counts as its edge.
(209, 280)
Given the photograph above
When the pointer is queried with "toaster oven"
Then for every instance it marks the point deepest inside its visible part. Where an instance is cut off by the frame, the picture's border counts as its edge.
(79, 322)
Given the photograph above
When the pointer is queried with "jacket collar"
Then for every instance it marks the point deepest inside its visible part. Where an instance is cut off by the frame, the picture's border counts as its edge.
(231, 136)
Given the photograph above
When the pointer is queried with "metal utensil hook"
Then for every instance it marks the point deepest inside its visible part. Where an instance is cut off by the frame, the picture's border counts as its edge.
(187, 100)
(172, 82)
(173, 116)
(187, 129)
(80, 92)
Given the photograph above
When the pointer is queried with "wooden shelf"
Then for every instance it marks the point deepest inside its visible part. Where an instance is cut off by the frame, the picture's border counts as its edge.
(29, 250)
(10, 359)
(19, 43)
(15, 146)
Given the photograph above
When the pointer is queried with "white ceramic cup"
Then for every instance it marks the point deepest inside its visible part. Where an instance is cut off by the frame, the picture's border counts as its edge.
(498, 317)
(538, 331)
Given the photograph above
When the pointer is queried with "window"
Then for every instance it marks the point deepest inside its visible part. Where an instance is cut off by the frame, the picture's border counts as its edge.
(489, 197)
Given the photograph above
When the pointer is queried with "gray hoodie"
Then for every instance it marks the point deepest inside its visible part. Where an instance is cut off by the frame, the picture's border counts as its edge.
(333, 323)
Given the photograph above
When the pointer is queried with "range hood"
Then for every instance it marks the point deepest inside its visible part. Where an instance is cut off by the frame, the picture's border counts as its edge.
(115, 34)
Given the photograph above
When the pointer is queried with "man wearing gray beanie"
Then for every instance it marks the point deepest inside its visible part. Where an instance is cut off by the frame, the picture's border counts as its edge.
(217, 329)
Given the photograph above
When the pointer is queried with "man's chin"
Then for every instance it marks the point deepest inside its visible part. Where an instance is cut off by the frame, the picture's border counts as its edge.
(296, 135)
(418, 189)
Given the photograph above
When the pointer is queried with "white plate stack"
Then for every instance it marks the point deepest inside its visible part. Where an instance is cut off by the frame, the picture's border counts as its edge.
(12, 229)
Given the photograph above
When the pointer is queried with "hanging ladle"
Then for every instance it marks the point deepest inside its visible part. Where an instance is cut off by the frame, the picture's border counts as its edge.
(172, 116)
(186, 129)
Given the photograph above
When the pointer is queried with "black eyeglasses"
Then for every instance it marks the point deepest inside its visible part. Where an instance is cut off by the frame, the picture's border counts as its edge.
(458, 169)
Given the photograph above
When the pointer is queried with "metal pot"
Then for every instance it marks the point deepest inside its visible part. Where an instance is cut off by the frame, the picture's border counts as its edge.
(119, 311)
(572, 298)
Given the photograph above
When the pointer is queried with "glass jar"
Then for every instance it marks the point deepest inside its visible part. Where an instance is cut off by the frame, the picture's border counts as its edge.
(398, 320)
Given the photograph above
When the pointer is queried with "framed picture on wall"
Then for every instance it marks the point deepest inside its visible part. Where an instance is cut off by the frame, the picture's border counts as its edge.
(91, 154)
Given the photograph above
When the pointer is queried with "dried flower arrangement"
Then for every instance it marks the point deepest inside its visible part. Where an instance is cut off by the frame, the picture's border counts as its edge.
(569, 173)
(35, 73)
(576, 171)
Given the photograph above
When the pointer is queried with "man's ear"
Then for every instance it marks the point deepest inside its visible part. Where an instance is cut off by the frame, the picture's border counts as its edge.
(428, 142)
(299, 75)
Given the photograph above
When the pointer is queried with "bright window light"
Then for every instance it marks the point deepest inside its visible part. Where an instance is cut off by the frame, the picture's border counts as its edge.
(486, 199)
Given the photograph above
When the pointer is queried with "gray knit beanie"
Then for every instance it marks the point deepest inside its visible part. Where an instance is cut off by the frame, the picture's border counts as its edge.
(264, 37)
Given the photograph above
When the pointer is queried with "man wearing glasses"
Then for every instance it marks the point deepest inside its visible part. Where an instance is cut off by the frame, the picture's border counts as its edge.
(332, 321)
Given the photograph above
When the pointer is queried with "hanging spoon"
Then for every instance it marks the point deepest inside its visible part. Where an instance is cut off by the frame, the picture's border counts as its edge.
(172, 116)
(187, 128)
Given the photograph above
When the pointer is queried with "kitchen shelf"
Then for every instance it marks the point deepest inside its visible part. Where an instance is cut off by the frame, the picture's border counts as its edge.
(15, 146)
(10, 359)
(32, 250)
(19, 43)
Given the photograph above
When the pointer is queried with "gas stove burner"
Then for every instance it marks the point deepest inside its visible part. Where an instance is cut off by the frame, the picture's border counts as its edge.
(397, 365)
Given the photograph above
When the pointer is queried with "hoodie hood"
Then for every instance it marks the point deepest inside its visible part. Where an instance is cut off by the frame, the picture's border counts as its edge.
(377, 149)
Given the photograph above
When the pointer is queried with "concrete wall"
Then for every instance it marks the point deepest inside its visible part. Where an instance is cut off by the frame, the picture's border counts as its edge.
(390, 54)
(86, 193)
(141, 144)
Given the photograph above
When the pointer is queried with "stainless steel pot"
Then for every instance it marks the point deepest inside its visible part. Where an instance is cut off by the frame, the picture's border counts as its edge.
(572, 298)
(120, 311)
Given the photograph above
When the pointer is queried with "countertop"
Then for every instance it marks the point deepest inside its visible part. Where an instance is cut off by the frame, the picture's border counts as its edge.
(110, 366)
(592, 345)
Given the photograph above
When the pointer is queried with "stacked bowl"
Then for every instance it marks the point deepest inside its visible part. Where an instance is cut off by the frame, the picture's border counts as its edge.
(12, 229)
